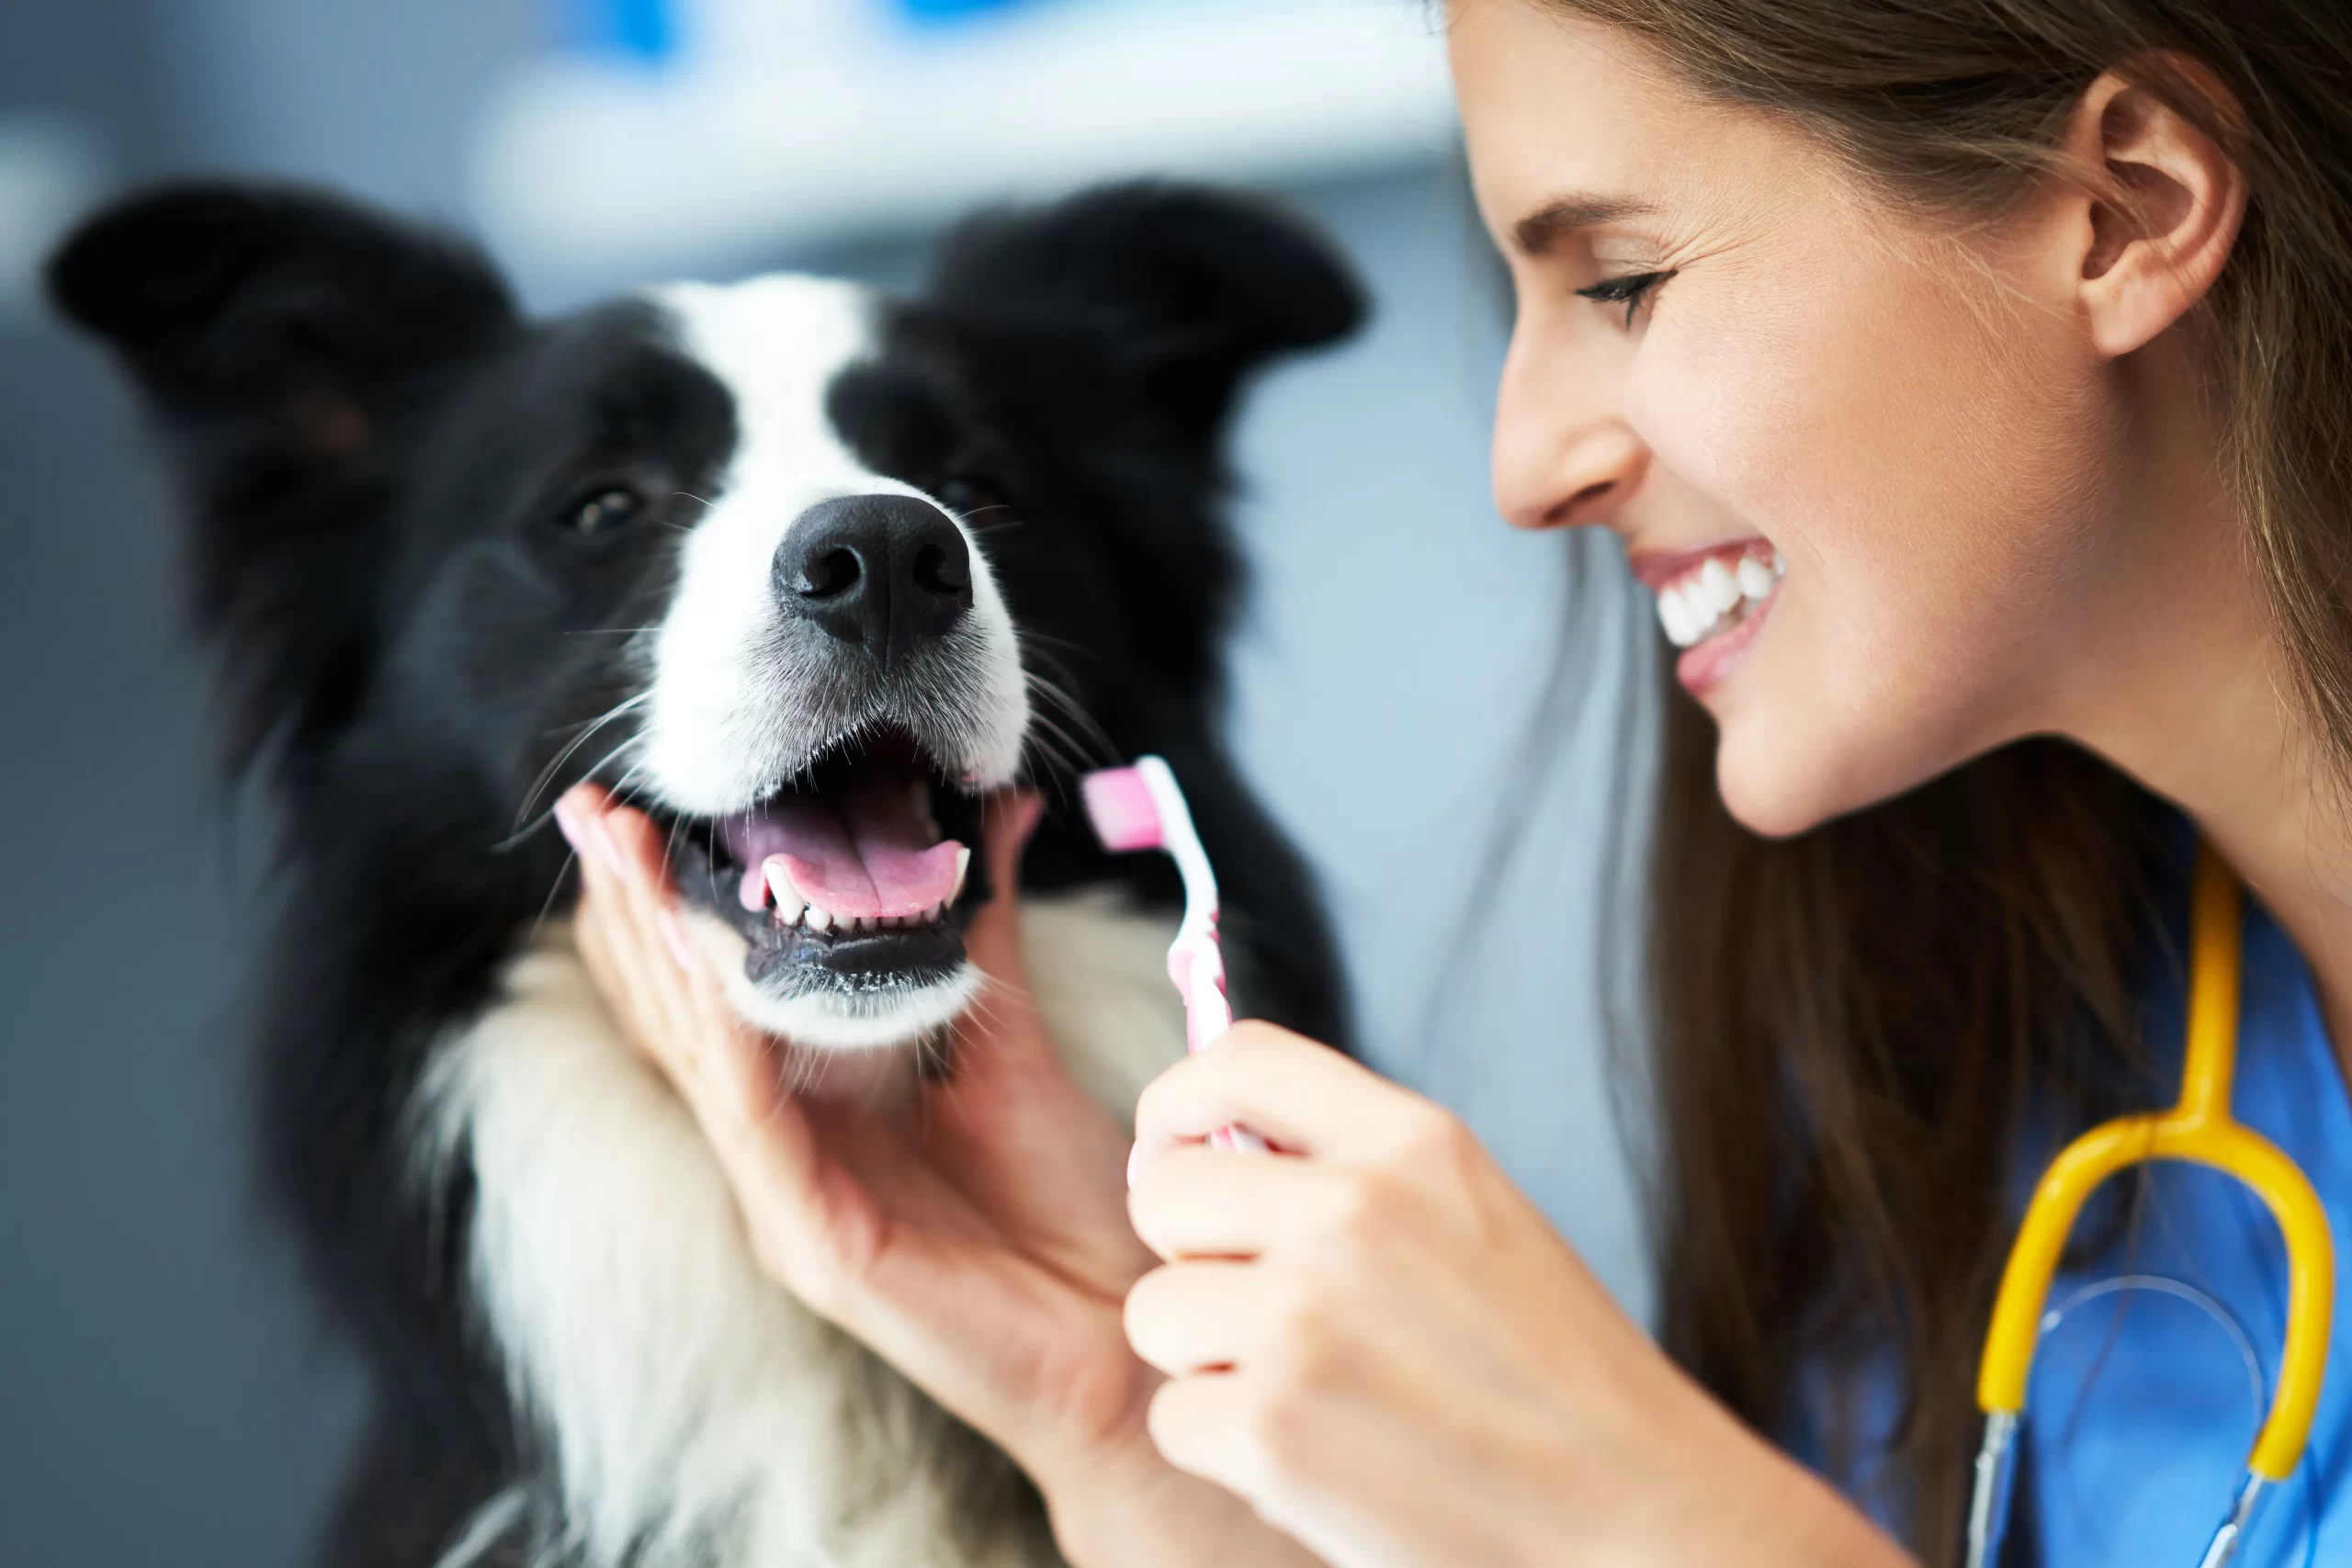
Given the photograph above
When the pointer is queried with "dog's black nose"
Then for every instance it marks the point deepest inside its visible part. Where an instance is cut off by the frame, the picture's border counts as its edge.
(882, 571)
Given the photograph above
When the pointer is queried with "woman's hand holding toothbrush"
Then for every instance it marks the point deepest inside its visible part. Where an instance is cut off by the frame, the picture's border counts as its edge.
(977, 1238)
(1379, 1341)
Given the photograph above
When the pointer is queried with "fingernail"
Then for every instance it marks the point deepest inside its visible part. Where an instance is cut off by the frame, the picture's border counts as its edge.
(1134, 1153)
(601, 844)
(568, 823)
(682, 947)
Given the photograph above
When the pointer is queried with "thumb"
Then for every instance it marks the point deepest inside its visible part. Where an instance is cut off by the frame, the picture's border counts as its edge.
(993, 936)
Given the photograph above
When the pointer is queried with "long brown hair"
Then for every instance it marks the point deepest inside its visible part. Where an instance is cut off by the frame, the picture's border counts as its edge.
(1850, 1028)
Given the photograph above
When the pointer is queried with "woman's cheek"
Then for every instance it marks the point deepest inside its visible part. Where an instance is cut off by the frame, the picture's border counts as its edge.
(1756, 433)
(1885, 451)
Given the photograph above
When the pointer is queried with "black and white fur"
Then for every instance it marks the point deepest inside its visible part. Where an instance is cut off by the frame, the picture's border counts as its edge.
(452, 560)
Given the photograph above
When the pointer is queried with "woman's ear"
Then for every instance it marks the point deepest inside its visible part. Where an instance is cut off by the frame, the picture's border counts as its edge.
(2166, 202)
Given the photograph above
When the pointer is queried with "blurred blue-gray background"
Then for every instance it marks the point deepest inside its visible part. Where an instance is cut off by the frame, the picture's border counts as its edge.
(165, 1396)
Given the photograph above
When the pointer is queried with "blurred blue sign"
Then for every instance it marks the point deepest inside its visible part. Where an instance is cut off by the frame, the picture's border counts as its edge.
(952, 10)
(635, 29)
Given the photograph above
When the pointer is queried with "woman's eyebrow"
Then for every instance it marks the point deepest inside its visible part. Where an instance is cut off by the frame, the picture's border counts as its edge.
(1540, 229)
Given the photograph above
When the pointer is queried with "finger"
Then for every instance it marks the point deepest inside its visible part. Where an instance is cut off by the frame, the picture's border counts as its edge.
(1193, 1200)
(1302, 1094)
(992, 936)
(630, 898)
(605, 938)
(1197, 1316)
(609, 912)
(1200, 1424)
(643, 849)
(579, 813)
(682, 1016)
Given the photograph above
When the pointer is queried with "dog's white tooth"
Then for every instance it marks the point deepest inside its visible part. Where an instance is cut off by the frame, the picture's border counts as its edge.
(819, 921)
(963, 865)
(788, 898)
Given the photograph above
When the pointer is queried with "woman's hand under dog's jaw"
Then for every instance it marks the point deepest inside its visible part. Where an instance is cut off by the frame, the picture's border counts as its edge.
(975, 1237)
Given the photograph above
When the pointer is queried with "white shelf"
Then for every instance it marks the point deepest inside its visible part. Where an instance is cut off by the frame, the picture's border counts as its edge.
(585, 168)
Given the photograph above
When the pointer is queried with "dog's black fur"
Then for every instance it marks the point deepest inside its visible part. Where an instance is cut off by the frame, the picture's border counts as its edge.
(379, 465)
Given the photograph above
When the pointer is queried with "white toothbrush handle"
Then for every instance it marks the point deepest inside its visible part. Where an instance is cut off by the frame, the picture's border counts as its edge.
(1208, 1014)
(1199, 980)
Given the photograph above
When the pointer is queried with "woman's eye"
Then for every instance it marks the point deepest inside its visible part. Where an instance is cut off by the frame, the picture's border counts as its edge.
(604, 511)
(968, 496)
(1629, 290)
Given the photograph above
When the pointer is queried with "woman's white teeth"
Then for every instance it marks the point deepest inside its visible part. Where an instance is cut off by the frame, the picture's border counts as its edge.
(1675, 617)
(1718, 589)
(1703, 603)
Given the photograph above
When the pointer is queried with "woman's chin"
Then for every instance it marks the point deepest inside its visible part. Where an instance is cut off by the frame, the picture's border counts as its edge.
(1782, 771)
(1771, 782)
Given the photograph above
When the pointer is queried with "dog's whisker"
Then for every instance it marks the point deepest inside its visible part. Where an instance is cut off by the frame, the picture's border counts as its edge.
(555, 765)
(523, 831)
(555, 887)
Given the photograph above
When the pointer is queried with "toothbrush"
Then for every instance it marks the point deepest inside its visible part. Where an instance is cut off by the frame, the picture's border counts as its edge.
(1140, 808)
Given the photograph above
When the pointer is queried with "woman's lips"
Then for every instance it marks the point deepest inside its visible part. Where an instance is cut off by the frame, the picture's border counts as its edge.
(1701, 667)
(1711, 601)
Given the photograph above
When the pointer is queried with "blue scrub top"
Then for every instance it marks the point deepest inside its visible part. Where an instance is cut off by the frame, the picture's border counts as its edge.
(2141, 1409)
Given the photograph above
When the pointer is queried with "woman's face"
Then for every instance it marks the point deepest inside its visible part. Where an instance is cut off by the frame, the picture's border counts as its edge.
(1872, 469)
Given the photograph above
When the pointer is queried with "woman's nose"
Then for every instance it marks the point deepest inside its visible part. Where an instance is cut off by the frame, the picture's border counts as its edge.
(1561, 458)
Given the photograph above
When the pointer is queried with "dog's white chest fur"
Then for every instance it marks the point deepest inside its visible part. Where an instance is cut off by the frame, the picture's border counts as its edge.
(695, 1410)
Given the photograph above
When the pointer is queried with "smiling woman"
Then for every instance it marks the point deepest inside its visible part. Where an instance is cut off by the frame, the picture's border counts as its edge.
(2017, 336)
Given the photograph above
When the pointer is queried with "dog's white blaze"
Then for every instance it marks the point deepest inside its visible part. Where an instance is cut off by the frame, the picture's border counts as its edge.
(719, 732)
(691, 1402)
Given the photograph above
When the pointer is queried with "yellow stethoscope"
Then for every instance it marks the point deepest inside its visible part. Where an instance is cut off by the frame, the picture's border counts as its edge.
(2200, 1129)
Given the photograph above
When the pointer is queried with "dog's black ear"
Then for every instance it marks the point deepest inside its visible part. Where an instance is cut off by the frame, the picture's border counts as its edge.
(1190, 287)
(285, 343)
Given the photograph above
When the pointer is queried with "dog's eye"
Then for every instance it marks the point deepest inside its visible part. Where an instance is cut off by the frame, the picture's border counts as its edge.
(969, 496)
(602, 511)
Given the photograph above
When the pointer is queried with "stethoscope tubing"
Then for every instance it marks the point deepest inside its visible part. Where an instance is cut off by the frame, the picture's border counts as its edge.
(2199, 1129)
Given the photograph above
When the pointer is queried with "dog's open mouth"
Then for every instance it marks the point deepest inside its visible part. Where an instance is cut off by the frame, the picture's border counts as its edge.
(852, 877)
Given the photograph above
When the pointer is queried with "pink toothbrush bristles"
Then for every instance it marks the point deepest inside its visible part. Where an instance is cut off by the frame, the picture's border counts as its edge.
(1118, 803)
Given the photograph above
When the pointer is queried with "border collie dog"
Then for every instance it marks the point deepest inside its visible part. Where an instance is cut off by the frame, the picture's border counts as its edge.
(805, 571)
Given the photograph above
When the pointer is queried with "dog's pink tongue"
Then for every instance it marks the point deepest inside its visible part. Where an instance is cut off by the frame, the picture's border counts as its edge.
(867, 856)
